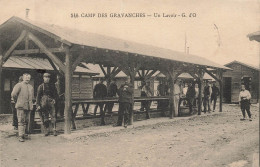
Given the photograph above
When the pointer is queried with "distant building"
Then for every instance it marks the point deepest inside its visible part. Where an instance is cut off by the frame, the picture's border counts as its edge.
(241, 74)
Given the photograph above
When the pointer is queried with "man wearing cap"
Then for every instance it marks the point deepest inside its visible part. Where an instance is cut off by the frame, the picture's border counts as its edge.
(125, 94)
(45, 102)
(23, 95)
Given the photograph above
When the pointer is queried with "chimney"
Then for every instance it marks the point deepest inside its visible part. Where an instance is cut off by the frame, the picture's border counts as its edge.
(27, 13)
(188, 50)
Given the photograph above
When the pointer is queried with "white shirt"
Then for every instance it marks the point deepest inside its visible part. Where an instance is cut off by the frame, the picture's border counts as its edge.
(244, 95)
(177, 89)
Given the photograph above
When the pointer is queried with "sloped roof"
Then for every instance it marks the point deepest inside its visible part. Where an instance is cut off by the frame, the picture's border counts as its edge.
(73, 36)
(188, 76)
(254, 36)
(244, 64)
(23, 62)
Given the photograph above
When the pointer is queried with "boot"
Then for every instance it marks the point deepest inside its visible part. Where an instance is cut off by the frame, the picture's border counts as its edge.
(21, 139)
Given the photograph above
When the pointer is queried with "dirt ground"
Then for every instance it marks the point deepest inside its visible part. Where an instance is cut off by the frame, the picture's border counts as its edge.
(215, 139)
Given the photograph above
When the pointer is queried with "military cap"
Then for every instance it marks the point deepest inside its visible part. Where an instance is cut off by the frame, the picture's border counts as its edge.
(46, 75)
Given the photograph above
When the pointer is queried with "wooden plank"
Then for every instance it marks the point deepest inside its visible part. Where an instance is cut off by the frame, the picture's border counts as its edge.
(26, 44)
(200, 80)
(35, 51)
(113, 74)
(103, 70)
(68, 92)
(46, 51)
(220, 73)
(11, 49)
(213, 76)
(1, 93)
(81, 56)
(148, 76)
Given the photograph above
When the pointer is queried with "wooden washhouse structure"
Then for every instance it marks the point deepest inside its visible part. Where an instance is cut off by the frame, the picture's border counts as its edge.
(66, 48)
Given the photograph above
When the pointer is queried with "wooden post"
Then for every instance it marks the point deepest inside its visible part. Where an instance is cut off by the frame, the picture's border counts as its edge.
(200, 80)
(221, 90)
(1, 64)
(132, 82)
(68, 92)
(172, 100)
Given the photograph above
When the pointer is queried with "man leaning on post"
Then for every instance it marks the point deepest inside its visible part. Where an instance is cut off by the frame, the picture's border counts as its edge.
(23, 95)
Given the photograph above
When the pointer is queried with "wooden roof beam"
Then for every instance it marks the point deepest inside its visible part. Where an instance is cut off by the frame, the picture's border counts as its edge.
(46, 51)
(35, 51)
(11, 49)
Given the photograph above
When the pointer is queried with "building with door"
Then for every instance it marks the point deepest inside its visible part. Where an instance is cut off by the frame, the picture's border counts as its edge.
(241, 74)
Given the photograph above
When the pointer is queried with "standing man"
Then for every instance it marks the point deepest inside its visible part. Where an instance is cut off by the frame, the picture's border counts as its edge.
(112, 91)
(125, 93)
(45, 102)
(244, 100)
(100, 92)
(177, 94)
(190, 95)
(15, 119)
(162, 90)
(23, 96)
(60, 87)
(207, 94)
(214, 95)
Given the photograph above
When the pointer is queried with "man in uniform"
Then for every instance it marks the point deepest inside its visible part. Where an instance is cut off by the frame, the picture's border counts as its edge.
(60, 87)
(15, 119)
(125, 93)
(190, 95)
(207, 95)
(244, 100)
(45, 102)
(177, 94)
(214, 95)
(23, 95)
(100, 92)
(111, 92)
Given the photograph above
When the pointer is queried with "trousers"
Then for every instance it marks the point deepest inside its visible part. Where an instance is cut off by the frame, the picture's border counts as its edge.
(23, 117)
(206, 104)
(245, 106)
(15, 119)
(124, 109)
(49, 111)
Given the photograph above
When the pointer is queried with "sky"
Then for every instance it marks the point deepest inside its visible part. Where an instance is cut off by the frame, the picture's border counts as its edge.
(218, 32)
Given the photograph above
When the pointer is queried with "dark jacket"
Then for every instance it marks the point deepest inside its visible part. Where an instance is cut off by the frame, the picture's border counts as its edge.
(112, 90)
(46, 89)
(100, 91)
(125, 93)
(190, 92)
(215, 91)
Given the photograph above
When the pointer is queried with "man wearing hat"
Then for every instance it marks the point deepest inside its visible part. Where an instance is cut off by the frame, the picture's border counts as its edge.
(45, 102)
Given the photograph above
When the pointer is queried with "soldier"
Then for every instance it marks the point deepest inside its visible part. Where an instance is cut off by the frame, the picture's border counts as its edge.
(177, 94)
(190, 95)
(207, 95)
(23, 96)
(214, 95)
(125, 93)
(15, 119)
(244, 100)
(100, 92)
(45, 101)
(60, 87)
(112, 91)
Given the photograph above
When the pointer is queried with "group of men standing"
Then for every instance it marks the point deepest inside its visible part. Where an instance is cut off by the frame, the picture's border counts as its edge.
(23, 99)
(125, 93)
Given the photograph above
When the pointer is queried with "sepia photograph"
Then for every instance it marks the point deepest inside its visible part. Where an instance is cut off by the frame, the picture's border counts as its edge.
(120, 83)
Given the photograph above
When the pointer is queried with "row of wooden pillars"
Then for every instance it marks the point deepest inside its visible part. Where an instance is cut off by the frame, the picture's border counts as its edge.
(130, 68)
